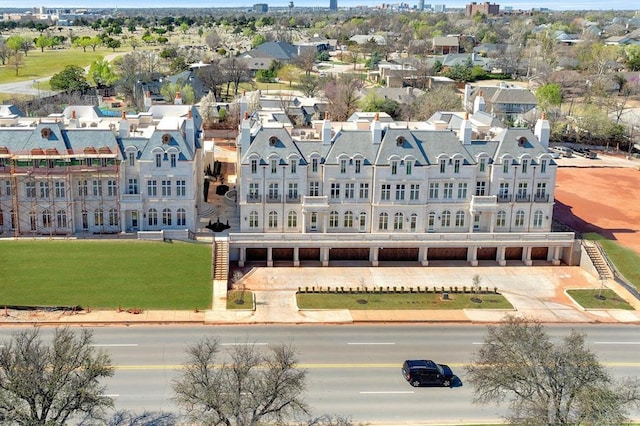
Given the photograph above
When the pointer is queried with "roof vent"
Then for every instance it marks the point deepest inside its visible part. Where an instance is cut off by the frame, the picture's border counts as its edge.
(45, 133)
(400, 140)
(166, 138)
(273, 141)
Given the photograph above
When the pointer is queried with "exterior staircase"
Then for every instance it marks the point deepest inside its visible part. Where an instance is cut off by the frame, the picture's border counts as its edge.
(221, 259)
(599, 262)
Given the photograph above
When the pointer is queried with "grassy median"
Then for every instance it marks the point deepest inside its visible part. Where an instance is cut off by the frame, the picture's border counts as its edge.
(626, 261)
(106, 274)
(400, 301)
(599, 299)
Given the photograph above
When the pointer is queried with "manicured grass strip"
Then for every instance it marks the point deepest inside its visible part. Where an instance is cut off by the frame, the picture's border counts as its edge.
(106, 274)
(625, 260)
(393, 301)
(588, 299)
(237, 299)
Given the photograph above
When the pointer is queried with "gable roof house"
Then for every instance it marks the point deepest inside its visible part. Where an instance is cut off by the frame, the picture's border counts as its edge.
(506, 102)
(443, 45)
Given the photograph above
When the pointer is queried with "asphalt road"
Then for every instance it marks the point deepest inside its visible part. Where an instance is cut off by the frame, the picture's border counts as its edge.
(354, 371)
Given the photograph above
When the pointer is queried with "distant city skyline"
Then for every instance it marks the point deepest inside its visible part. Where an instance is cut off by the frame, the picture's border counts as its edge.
(137, 4)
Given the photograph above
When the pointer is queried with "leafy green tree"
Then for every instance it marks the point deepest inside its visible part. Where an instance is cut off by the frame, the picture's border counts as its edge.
(17, 43)
(547, 382)
(549, 95)
(257, 40)
(169, 91)
(251, 388)
(52, 385)
(101, 73)
(632, 53)
(44, 41)
(373, 103)
(184, 27)
(70, 79)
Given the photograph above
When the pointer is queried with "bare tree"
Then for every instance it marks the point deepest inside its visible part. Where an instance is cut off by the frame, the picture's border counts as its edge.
(212, 39)
(146, 418)
(213, 77)
(237, 71)
(309, 85)
(442, 98)
(251, 388)
(342, 95)
(15, 61)
(306, 60)
(547, 383)
(54, 384)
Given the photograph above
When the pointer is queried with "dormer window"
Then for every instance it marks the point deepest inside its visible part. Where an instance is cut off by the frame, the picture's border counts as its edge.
(166, 138)
(522, 141)
(400, 140)
(273, 141)
(45, 133)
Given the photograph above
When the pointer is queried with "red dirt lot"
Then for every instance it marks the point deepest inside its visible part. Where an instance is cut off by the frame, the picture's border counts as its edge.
(602, 200)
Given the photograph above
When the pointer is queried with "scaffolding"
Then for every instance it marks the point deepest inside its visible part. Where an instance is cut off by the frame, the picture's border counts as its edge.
(62, 194)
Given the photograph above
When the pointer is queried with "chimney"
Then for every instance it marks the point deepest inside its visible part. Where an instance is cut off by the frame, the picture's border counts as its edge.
(123, 128)
(326, 130)
(376, 130)
(245, 134)
(465, 130)
(178, 99)
(147, 99)
(243, 103)
(190, 130)
(478, 103)
(73, 122)
(542, 130)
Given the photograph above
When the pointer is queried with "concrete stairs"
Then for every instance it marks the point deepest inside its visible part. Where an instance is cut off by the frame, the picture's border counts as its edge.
(604, 272)
(221, 259)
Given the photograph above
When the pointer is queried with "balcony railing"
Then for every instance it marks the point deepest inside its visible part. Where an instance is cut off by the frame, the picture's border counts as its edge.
(293, 198)
(522, 198)
(504, 198)
(254, 198)
(541, 198)
(273, 198)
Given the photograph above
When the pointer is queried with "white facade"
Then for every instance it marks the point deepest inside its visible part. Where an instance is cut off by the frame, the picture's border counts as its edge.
(79, 172)
(376, 179)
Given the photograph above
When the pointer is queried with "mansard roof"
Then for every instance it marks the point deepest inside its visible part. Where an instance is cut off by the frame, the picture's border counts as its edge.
(350, 143)
(272, 140)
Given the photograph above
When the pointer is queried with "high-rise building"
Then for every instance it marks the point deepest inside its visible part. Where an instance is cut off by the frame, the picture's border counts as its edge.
(420, 4)
(261, 8)
(333, 4)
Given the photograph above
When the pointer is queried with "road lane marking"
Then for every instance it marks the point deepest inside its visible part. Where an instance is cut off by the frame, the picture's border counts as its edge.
(336, 366)
(113, 345)
(384, 392)
(370, 343)
(244, 344)
(616, 343)
(112, 395)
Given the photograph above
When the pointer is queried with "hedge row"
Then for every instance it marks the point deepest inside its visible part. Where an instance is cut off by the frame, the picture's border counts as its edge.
(395, 290)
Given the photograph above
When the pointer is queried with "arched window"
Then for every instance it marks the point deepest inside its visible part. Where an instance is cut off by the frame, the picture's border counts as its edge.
(519, 218)
(46, 218)
(413, 222)
(33, 220)
(431, 221)
(537, 219)
(292, 219)
(273, 219)
(398, 218)
(348, 219)
(166, 217)
(333, 219)
(445, 220)
(501, 219)
(459, 219)
(383, 222)
(253, 219)
(1, 220)
(85, 219)
(113, 217)
(61, 219)
(98, 217)
(152, 216)
(181, 217)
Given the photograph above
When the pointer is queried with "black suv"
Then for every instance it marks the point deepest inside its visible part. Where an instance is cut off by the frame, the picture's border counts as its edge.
(426, 372)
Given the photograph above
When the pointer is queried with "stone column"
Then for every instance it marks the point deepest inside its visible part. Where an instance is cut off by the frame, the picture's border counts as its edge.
(526, 256)
(422, 256)
(324, 256)
(501, 256)
(296, 256)
(373, 256)
(555, 257)
(243, 256)
(269, 256)
(472, 255)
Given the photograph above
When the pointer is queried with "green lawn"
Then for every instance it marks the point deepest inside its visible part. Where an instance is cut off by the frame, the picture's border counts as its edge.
(588, 299)
(106, 274)
(398, 301)
(39, 64)
(237, 299)
(626, 260)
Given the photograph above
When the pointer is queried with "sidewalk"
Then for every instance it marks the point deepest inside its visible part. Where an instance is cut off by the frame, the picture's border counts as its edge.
(537, 293)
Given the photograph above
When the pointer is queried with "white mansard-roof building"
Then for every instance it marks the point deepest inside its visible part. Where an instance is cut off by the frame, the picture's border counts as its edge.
(372, 190)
